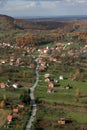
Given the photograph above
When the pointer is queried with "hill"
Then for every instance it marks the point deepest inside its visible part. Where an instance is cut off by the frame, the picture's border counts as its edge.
(7, 22)
(43, 30)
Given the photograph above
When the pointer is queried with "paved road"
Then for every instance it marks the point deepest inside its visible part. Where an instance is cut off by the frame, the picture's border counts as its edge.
(33, 103)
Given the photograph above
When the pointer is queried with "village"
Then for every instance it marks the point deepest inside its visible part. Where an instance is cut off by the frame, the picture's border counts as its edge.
(62, 68)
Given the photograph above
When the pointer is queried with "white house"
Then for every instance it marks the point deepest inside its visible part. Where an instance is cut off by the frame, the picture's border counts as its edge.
(61, 77)
(15, 85)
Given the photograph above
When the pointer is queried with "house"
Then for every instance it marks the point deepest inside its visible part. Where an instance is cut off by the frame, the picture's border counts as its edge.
(11, 63)
(49, 90)
(9, 118)
(59, 49)
(85, 46)
(63, 121)
(50, 87)
(18, 60)
(31, 65)
(40, 60)
(55, 81)
(2, 85)
(63, 55)
(61, 77)
(2, 61)
(43, 63)
(15, 111)
(47, 79)
(51, 84)
(53, 59)
(68, 87)
(47, 75)
(42, 68)
(12, 59)
(45, 50)
(21, 105)
(15, 85)
(73, 78)
(59, 44)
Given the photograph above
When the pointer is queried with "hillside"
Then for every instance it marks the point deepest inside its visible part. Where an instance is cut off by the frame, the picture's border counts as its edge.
(11, 29)
(7, 22)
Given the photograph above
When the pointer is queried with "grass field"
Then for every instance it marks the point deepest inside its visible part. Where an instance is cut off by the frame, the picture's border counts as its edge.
(62, 103)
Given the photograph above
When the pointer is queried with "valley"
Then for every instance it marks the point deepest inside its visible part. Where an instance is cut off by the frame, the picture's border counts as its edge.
(61, 91)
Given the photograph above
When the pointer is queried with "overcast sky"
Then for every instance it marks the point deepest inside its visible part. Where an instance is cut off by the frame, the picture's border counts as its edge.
(32, 8)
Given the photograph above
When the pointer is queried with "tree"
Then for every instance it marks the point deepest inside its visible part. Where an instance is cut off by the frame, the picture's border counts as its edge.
(78, 92)
(4, 97)
(2, 104)
(24, 74)
(25, 97)
(77, 73)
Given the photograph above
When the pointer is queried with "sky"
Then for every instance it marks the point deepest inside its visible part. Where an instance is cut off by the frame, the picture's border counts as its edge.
(43, 8)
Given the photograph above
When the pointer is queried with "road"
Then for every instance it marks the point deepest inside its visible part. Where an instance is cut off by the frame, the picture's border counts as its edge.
(33, 103)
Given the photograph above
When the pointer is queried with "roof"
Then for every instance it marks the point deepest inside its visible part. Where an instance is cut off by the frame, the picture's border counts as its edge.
(15, 110)
(21, 105)
(47, 75)
(2, 85)
(51, 84)
(9, 117)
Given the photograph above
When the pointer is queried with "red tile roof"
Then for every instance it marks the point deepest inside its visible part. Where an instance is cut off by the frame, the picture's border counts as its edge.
(15, 110)
(9, 117)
